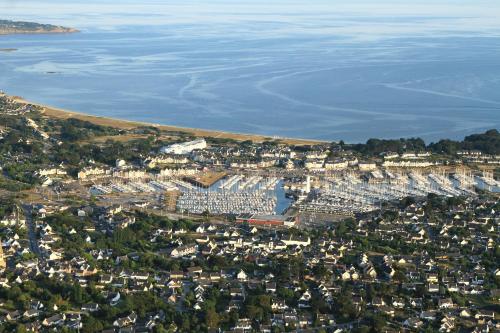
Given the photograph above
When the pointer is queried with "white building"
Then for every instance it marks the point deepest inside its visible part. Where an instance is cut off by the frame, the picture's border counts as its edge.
(120, 163)
(185, 147)
(367, 166)
(410, 164)
(340, 164)
(314, 164)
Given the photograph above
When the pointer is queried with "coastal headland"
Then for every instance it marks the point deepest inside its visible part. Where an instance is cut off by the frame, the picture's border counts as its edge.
(8, 27)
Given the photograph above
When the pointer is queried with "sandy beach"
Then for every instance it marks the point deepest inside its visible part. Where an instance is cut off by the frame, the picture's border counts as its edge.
(54, 112)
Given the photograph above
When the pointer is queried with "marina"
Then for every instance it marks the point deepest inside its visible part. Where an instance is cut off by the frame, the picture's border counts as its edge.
(219, 203)
(340, 193)
(347, 193)
(236, 194)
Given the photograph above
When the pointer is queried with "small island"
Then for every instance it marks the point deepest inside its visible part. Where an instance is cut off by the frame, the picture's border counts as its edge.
(8, 27)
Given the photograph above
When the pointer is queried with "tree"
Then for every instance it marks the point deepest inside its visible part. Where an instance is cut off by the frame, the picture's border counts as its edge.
(21, 329)
(377, 323)
(345, 307)
(253, 312)
(320, 271)
(90, 325)
(77, 294)
(211, 318)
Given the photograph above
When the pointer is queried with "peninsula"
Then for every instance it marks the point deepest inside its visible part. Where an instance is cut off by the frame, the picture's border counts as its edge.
(8, 27)
(128, 126)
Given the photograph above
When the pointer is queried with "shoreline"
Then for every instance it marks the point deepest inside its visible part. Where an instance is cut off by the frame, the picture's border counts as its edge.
(59, 113)
(8, 33)
(57, 30)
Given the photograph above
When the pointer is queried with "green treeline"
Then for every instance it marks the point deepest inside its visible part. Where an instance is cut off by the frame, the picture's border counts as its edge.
(487, 143)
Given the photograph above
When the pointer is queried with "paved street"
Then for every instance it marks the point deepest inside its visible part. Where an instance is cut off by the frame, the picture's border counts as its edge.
(27, 209)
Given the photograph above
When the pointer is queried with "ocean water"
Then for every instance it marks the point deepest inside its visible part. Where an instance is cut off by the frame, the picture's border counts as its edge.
(325, 70)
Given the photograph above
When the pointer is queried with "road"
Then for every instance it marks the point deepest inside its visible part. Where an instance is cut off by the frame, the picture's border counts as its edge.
(346, 326)
(27, 209)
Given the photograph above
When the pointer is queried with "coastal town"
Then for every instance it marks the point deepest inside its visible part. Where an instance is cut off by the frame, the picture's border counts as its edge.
(110, 226)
